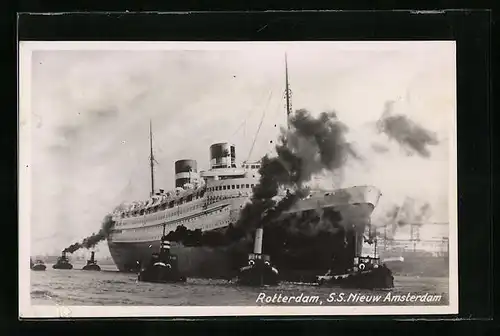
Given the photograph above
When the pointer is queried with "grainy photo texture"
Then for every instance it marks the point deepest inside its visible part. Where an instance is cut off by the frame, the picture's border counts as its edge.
(205, 179)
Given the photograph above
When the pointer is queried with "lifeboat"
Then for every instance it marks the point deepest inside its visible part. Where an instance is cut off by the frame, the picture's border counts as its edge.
(91, 264)
(162, 267)
(259, 271)
(62, 262)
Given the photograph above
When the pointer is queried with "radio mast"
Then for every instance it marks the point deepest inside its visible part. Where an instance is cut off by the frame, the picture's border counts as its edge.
(288, 94)
(151, 158)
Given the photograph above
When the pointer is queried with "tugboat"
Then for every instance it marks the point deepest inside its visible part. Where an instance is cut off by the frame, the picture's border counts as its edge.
(91, 264)
(259, 271)
(62, 262)
(163, 266)
(38, 266)
(365, 273)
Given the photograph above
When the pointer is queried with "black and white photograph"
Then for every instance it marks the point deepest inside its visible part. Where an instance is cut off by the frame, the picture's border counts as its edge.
(171, 179)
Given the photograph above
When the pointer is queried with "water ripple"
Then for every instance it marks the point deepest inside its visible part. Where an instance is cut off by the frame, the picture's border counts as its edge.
(76, 287)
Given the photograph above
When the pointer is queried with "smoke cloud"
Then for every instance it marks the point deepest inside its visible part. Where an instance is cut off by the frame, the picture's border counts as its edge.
(411, 136)
(93, 239)
(310, 146)
(213, 238)
(411, 211)
(378, 148)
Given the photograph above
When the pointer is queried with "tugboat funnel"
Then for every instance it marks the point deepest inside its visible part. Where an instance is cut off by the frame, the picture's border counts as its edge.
(165, 245)
(257, 247)
(92, 255)
(162, 267)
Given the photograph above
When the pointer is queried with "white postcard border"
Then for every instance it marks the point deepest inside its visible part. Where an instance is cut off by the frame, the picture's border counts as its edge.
(26, 310)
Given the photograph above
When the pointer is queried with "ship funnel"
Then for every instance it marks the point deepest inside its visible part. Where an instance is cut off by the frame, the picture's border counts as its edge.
(92, 256)
(358, 243)
(185, 172)
(257, 247)
(222, 155)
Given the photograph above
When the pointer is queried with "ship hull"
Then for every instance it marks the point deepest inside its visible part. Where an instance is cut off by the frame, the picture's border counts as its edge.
(92, 267)
(193, 261)
(39, 268)
(224, 262)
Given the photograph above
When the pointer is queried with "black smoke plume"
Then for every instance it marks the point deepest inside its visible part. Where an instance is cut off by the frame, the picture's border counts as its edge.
(212, 238)
(93, 239)
(310, 146)
(411, 136)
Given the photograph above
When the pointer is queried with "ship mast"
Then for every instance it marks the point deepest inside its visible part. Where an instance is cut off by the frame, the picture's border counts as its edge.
(288, 93)
(151, 158)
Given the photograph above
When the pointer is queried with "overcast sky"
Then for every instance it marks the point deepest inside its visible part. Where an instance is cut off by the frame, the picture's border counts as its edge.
(90, 114)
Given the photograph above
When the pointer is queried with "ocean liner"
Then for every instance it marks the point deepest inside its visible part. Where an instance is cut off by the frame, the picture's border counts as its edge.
(212, 200)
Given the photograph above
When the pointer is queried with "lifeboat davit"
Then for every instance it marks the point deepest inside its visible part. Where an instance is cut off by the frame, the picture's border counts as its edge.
(62, 262)
(91, 264)
(162, 267)
(259, 271)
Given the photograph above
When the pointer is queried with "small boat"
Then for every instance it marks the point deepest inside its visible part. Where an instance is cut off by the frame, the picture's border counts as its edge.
(62, 262)
(366, 273)
(91, 264)
(259, 271)
(38, 266)
(163, 266)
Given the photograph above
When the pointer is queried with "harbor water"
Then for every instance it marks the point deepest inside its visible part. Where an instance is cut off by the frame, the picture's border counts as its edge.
(110, 287)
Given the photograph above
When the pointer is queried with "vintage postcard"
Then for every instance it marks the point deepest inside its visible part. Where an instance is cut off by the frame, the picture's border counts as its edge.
(230, 179)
